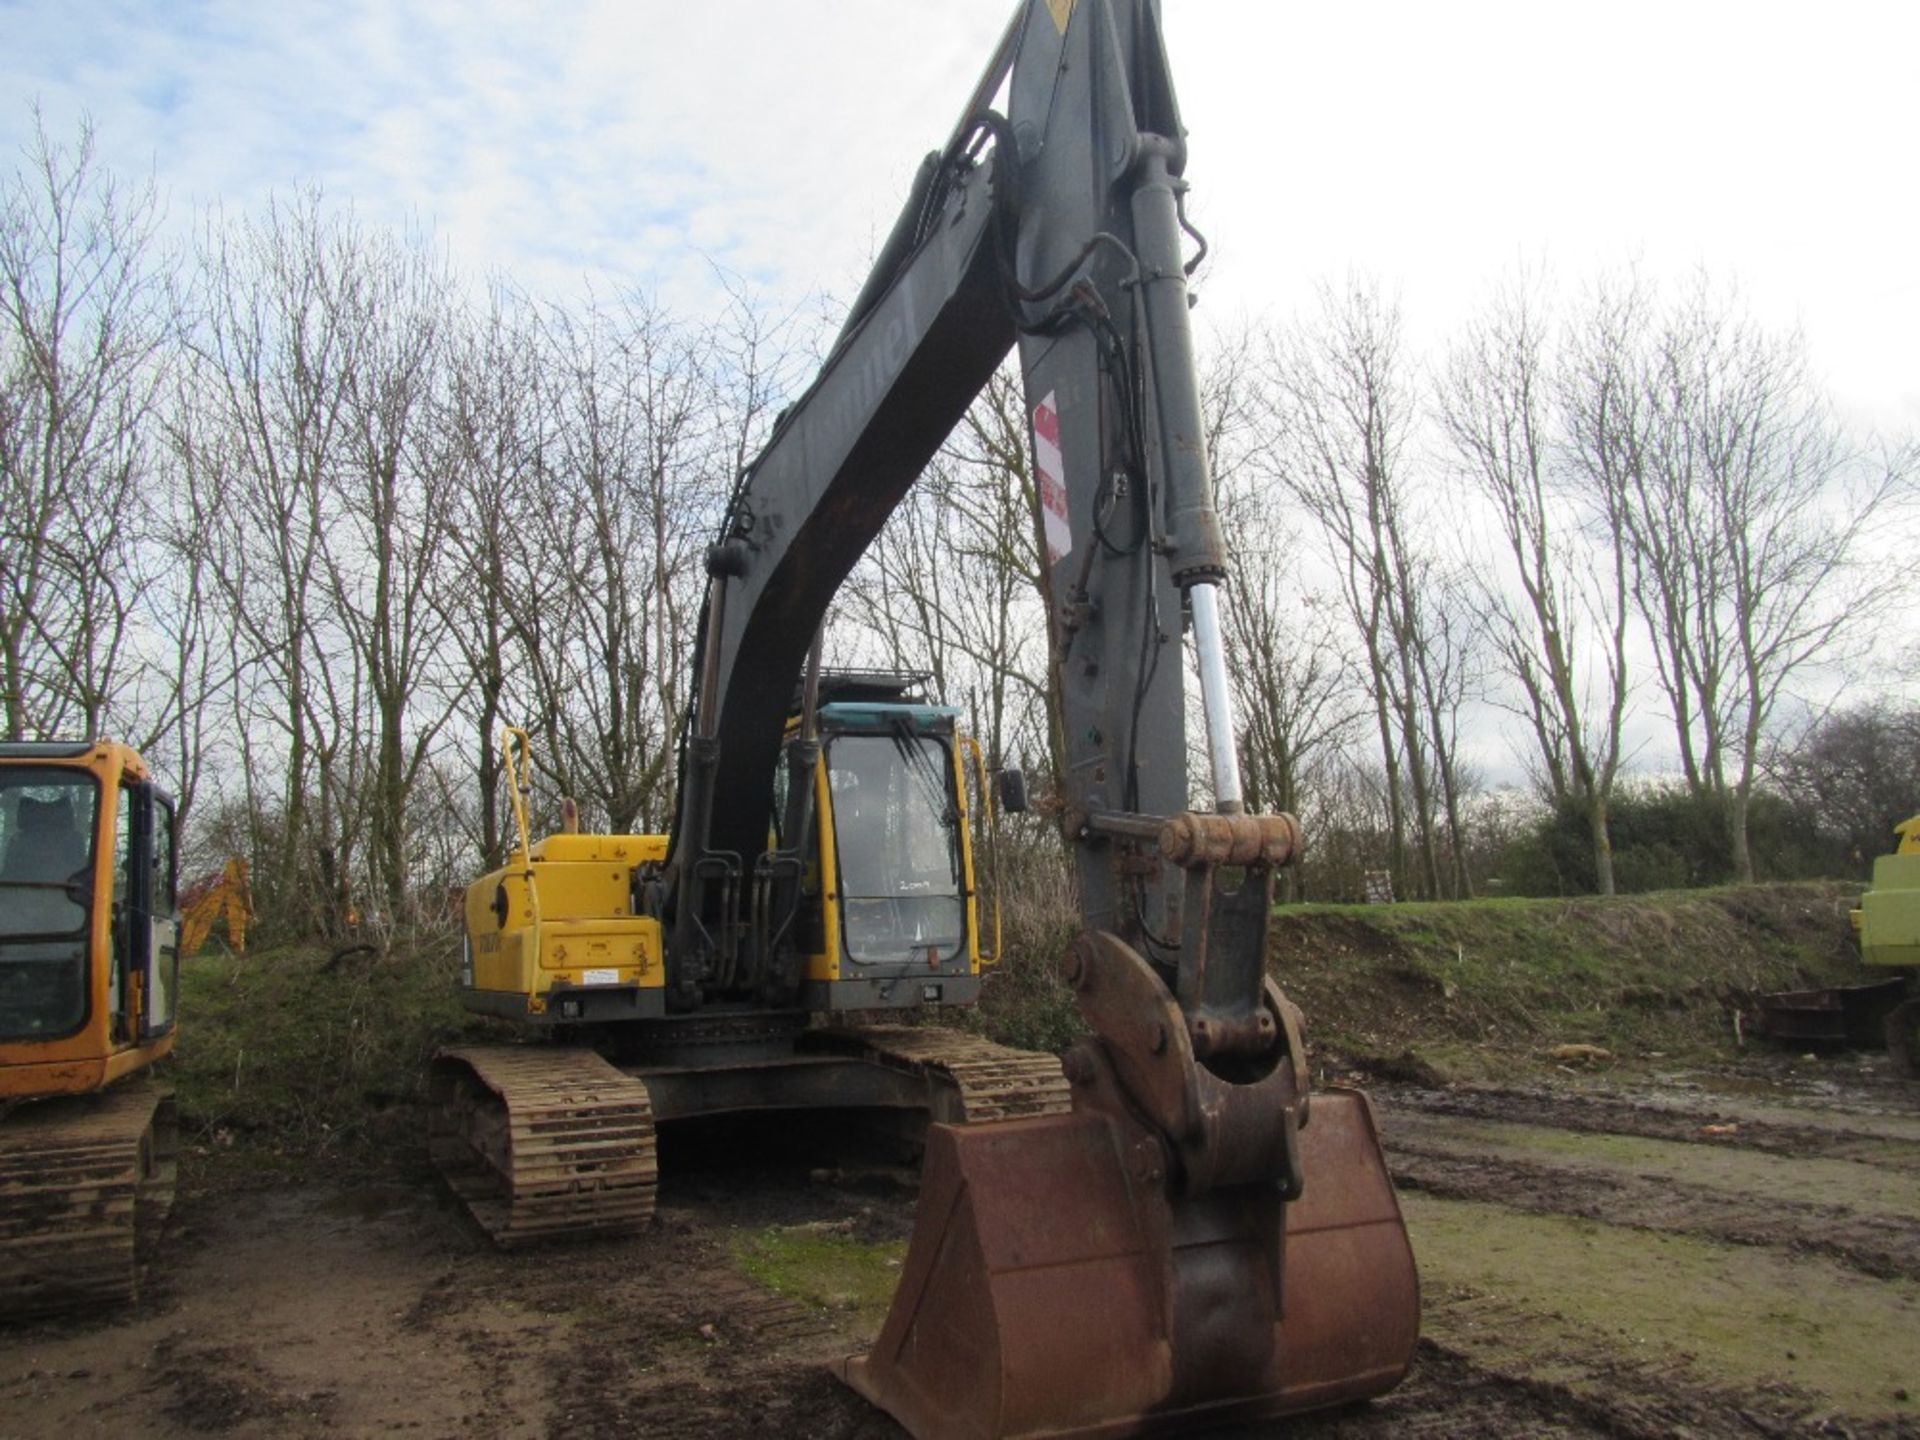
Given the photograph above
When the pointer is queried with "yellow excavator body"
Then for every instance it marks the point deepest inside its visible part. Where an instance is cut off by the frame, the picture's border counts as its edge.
(557, 925)
(883, 911)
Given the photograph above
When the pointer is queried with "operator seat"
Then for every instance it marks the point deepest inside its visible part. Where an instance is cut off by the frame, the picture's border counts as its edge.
(47, 845)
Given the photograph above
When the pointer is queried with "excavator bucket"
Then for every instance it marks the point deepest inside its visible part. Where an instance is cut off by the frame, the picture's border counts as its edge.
(1055, 1288)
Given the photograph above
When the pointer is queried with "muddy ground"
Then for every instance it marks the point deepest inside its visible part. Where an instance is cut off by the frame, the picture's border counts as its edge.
(1731, 1253)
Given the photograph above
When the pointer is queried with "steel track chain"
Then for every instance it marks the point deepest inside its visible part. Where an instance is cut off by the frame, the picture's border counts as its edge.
(541, 1142)
(989, 1081)
(86, 1182)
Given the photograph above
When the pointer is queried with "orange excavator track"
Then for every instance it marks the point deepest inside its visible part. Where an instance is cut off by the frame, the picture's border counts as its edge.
(85, 1184)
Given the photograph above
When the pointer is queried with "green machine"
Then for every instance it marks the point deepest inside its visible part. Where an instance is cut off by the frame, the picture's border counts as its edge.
(1887, 925)
(1888, 922)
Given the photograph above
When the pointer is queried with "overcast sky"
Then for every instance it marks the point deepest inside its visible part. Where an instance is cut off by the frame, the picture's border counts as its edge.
(1430, 144)
(639, 142)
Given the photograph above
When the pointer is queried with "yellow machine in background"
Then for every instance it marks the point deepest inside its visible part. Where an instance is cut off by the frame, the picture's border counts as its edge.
(882, 910)
(89, 959)
(1888, 924)
(1892, 895)
(1863, 1016)
(228, 895)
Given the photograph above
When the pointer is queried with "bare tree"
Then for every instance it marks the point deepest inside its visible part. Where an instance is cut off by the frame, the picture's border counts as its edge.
(1499, 411)
(630, 496)
(489, 589)
(387, 497)
(1342, 411)
(189, 677)
(1296, 695)
(83, 321)
(1742, 503)
(271, 351)
(1856, 770)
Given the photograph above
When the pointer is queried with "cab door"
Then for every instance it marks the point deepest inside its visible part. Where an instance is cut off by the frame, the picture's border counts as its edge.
(163, 921)
(147, 918)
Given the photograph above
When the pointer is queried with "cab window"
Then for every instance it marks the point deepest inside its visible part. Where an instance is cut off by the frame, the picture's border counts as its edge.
(47, 819)
(895, 837)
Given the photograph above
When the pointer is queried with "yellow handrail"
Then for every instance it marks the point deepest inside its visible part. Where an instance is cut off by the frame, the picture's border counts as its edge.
(516, 752)
(990, 829)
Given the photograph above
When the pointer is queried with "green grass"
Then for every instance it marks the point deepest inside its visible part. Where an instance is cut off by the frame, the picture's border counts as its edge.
(1739, 1315)
(284, 1057)
(820, 1267)
(1637, 975)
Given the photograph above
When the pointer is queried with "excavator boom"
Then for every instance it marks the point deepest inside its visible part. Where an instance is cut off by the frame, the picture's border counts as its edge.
(1200, 1239)
(1197, 1237)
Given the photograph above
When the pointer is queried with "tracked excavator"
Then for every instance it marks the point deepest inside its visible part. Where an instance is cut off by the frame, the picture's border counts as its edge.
(89, 958)
(1196, 1236)
(880, 913)
(1886, 925)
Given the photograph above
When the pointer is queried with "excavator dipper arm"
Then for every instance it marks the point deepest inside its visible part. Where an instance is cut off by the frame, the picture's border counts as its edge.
(1185, 1246)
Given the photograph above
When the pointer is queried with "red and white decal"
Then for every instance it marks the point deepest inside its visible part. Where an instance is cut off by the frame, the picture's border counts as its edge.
(1050, 471)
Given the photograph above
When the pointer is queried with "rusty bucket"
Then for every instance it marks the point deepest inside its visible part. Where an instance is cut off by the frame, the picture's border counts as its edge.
(1056, 1286)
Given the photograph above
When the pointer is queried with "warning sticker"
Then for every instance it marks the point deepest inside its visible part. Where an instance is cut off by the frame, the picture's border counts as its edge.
(1050, 473)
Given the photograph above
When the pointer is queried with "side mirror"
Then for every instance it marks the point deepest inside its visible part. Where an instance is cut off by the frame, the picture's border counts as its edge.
(1013, 792)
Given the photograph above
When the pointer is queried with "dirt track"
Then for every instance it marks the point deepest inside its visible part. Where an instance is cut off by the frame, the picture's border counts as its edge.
(1603, 1261)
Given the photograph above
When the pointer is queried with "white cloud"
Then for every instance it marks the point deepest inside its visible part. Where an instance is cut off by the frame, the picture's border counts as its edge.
(1430, 144)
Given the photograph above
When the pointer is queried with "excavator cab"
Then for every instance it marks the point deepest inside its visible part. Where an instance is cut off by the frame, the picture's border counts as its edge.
(43, 911)
(893, 886)
(896, 844)
(89, 934)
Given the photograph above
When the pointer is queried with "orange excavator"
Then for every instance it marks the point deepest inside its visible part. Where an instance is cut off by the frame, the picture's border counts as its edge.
(89, 960)
(1200, 1237)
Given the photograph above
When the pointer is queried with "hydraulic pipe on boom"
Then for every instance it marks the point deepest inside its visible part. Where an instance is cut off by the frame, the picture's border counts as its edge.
(1202, 1239)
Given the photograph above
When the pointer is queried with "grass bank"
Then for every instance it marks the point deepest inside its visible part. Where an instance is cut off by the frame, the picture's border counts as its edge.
(1459, 988)
(290, 1056)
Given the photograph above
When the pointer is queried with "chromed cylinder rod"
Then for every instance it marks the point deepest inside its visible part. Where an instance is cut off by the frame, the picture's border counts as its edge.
(1216, 698)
